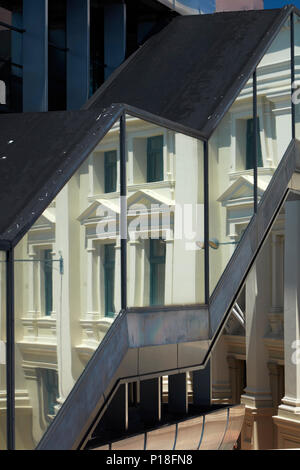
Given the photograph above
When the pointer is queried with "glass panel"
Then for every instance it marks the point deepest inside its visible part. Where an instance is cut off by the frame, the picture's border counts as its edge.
(11, 64)
(231, 182)
(274, 106)
(3, 401)
(296, 93)
(165, 204)
(67, 290)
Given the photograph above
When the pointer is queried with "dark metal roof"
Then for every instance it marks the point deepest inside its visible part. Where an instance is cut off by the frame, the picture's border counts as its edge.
(186, 72)
(39, 152)
(187, 76)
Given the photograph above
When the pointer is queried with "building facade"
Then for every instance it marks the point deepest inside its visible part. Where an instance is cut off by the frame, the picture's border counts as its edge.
(56, 54)
(68, 264)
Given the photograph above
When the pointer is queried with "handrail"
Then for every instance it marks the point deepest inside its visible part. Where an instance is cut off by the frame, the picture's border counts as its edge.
(260, 226)
(219, 414)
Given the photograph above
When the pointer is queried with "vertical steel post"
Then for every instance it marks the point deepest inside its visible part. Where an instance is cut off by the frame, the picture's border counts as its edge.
(293, 75)
(255, 130)
(10, 350)
(123, 216)
(206, 223)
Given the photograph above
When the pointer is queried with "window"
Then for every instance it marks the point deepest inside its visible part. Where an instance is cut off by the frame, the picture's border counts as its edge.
(50, 381)
(48, 280)
(110, 169)
(157, 260)
(109, 279)
(155, 160)
(250, 145)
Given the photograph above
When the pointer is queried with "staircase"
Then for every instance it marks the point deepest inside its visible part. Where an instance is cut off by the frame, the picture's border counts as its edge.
(117, 402)
(132, 350)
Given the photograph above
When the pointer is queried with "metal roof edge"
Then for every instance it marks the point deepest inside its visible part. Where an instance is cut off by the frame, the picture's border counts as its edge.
(247, 71)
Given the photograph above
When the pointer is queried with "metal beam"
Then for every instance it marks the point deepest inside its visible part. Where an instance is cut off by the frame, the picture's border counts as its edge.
(10, 350)
(123, 202)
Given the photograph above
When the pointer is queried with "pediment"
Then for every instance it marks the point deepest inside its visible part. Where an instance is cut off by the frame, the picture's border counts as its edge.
(46, 219)
(100, 208)
(242, 188)
(145, 199)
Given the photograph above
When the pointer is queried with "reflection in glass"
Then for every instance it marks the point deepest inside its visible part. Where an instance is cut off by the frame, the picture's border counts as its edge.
(165, 216)
(67, 289)
(231, 181)
(3, 401)
(274, 106)
(11, 73)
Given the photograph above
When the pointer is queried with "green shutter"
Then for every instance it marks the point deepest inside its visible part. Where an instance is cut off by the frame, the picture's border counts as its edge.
(155, 158)
(250, 145)
(110, 171)
(157, 260)
(51, 387)
(109, 279)
(48, 282)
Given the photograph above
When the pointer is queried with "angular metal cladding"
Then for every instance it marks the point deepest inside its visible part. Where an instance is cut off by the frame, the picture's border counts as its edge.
(188, 72)
(183, 75)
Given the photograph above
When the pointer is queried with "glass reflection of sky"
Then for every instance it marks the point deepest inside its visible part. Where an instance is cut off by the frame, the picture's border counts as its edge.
(280, 3)
(206, 6)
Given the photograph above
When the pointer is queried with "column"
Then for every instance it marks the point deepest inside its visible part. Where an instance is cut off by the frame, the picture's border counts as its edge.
(117, 293)
(114, 36)
(288, 419)
(67, 288)
(135, 278)
(32, 284)
(78, 55)
(275, 371)
(257, 432)
(188, 263)
(35, 55)
(282, 114)
(169, 271)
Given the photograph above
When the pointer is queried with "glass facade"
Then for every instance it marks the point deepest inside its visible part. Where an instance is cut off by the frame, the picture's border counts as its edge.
(185, 199)
(67, 289)
(11, 73)
(274, 105)
(231, 182)
(165, 216)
